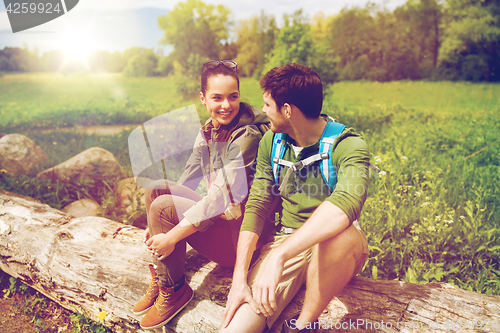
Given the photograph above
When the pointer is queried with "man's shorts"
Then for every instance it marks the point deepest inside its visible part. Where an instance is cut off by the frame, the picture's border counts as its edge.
(295, 271)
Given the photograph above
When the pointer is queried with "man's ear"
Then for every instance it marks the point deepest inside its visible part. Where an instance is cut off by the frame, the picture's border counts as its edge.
(287, 110)
(202, 99)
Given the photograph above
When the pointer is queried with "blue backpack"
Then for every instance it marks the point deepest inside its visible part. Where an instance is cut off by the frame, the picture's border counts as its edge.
(330, 133)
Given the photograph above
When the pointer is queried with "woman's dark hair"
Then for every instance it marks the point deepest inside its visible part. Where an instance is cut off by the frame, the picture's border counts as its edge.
(221, 69)
(295, 84)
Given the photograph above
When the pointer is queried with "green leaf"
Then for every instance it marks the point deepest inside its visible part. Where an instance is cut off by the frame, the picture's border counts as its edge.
(374, 272)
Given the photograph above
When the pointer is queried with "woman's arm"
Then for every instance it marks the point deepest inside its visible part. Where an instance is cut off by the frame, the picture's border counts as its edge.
(230, 184)
(161, 245)
(193, 172)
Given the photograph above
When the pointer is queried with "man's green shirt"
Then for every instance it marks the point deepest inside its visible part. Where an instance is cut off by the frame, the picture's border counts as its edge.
(306, 189)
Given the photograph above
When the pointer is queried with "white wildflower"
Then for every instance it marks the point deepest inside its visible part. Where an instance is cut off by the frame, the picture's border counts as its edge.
(431, 228)
(382, 174)
(404, 159)
(415, 238)
(417, 194)
(378, 159)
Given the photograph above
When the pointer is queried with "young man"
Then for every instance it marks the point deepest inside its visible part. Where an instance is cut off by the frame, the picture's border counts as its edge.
(318, 244)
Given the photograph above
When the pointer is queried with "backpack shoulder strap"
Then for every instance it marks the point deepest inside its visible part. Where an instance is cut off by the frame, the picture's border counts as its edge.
(277, 152)
(331, 132)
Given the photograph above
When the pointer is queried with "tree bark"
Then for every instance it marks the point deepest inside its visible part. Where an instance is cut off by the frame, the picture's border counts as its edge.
(94, 264)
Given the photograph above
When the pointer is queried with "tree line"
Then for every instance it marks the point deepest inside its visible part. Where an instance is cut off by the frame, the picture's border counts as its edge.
(140, 61)
(423, 39)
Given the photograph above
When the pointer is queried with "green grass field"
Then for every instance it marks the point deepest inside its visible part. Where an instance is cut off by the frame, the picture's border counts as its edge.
(432, 213)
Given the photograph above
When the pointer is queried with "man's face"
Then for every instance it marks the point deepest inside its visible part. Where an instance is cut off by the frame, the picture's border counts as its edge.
(279, 123)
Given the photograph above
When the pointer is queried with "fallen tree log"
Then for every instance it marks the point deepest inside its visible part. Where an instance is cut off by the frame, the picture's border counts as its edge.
(93, 264)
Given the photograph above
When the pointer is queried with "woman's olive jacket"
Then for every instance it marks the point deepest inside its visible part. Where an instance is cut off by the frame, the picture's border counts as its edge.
(228, 166)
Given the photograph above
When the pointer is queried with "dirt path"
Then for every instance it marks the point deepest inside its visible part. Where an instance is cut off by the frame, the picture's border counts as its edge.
(99, 130)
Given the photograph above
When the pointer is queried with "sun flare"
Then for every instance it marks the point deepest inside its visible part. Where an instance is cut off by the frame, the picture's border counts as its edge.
(77, 46)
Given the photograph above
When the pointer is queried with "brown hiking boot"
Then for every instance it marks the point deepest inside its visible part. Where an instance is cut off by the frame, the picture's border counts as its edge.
(151, 294)
(167, 305)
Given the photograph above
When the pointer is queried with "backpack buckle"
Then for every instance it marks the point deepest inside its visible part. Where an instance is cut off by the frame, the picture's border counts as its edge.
(324, 156)
(297, 166)
(287, 230)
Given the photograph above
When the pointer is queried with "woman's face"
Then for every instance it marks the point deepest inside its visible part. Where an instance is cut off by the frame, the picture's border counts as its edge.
(222, 99)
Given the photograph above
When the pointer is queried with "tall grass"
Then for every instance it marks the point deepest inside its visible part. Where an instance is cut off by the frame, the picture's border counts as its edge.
(432, 213)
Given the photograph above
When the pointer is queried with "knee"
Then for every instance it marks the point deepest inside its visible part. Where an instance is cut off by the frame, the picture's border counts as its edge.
(155, 189)
(345, 243)
(161, 203)
(245, 320)
(162, 210)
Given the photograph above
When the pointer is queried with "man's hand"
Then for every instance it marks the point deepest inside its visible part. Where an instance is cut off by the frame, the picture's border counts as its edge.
(265, 287)
(240, 293)
(160, 245)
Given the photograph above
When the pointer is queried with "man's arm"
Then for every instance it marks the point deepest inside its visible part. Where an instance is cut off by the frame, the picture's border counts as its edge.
(256, 213)
(331, 218)
(328, 218)
(240, 291)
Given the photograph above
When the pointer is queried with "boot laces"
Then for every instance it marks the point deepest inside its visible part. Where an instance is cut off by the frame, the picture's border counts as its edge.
(153, 286)
(163, 298)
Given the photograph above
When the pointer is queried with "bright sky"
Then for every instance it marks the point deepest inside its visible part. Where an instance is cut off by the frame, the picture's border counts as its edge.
(115, 25)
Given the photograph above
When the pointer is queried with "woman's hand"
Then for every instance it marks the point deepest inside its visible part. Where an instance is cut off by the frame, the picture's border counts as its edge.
(161, 245)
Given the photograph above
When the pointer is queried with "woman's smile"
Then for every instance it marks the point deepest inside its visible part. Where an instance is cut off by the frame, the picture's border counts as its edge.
(222, 99)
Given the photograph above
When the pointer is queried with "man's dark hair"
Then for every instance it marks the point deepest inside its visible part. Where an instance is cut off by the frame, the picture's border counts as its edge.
(295, 84)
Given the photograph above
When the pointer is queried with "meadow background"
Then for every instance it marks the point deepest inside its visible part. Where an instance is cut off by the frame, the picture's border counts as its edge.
(432, 211)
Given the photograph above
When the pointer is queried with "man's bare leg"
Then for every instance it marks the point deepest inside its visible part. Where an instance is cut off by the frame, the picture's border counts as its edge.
(332, 266)
(245, 320)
